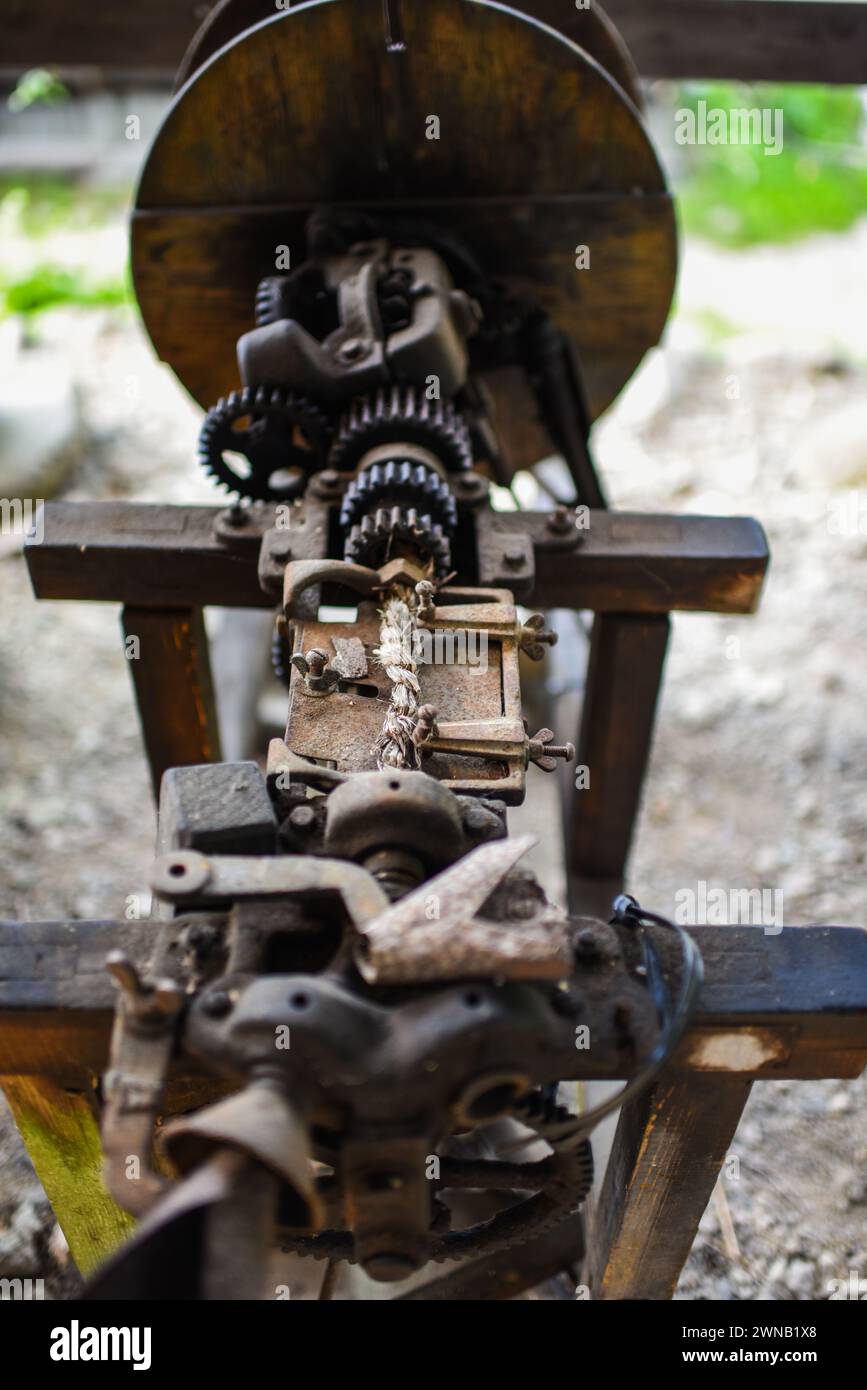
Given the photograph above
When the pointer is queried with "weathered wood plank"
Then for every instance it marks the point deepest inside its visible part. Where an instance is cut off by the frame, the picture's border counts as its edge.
(797, 1000)
(751, 40)
(144, 555)
(776, 40)
(630, 562)
(172, 678)
(61, 1134)
(161, 556)
(668, 1149)
(624, 674)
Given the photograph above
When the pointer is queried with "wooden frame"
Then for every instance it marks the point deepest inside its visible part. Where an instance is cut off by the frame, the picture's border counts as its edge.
(768, 40)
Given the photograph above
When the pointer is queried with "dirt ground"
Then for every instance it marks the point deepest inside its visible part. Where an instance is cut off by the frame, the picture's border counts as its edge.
(758, 771)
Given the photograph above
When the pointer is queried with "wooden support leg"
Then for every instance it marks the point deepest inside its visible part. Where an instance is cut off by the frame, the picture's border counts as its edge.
(669, 1147)
(627, 655)
(61, 1135)
(168, 655)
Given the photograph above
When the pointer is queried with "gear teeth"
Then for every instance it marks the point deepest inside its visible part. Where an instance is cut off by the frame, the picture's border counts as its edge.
(287, 410)
(399, 480)
(371, 539)
(402, 413)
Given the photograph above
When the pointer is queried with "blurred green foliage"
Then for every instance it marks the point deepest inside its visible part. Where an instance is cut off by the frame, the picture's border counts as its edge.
(38, 86)
(46, 286)
(737, 195)
(35, 217)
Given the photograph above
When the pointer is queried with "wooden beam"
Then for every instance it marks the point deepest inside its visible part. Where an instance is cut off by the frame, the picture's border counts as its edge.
(772, 40)
(624, 674)
(747, 40)
(627, 562)
(143, 555)
(787, 1004)
(61, 1134)
(668, 1149)
(172, 678)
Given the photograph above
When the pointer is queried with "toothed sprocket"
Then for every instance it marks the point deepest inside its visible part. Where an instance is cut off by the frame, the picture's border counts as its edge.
(283, 437)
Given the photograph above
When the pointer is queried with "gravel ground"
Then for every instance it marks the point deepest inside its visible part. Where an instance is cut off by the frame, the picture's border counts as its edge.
(757, 772)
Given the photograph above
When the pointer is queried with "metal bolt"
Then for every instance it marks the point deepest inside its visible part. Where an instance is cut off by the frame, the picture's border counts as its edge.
(586, 944)
(542, 751)
(319, 678)
(237, 515)
(217, 1005)
(302, 818)
(425, 593)
(534, 635)
(514, 559)
(560, 520)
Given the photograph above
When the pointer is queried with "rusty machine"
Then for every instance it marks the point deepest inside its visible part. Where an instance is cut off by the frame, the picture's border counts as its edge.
(399, 252)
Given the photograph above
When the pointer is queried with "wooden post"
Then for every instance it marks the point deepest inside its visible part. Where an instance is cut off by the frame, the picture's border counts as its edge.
(61, 1134)
(168, 654)
(668, 1149)
(624, 673)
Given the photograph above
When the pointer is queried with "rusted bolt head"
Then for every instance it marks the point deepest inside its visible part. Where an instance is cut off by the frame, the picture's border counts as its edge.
(316, 660)
(587, 944)
(217, 1005)
(560, 520)
(302, 817)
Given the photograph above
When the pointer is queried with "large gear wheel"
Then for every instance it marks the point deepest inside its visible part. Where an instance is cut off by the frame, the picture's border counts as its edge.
(401, 414)
(559, 1184)
(283, 437)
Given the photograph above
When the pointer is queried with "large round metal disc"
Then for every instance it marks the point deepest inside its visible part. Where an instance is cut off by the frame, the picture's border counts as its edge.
(539, 152)
(591, 29)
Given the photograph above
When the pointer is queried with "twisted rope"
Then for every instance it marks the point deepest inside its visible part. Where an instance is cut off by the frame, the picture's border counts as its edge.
(395, 746)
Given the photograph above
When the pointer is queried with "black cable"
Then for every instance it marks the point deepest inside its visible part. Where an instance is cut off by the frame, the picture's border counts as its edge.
(673, 1016)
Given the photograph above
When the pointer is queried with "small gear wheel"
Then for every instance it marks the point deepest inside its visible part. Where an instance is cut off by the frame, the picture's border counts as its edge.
(381, 535)
(399, 481)
(401, 414)
(282, 437)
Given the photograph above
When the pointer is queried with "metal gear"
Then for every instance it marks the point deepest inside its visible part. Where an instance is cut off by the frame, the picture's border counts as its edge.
(284, 434)
(376, 538)
(402, 414)
(399, 480)
(559, 1184)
